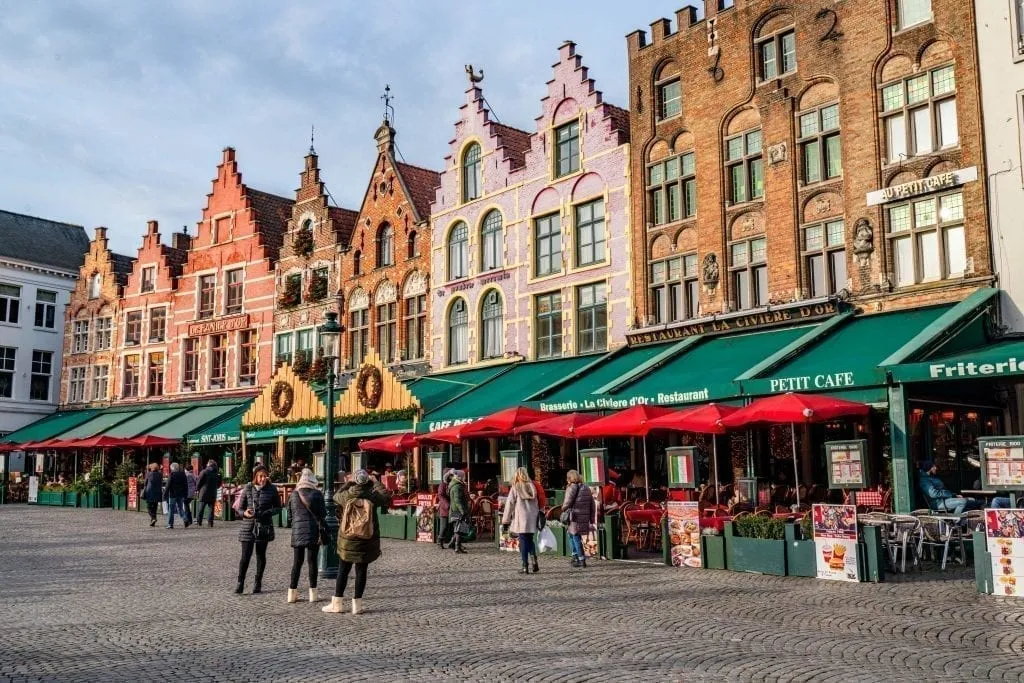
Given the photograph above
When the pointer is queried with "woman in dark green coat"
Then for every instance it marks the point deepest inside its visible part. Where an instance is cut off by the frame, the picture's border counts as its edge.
(358, 534)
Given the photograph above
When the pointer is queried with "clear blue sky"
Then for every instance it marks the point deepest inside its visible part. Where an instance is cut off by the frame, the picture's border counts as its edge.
(113, 113)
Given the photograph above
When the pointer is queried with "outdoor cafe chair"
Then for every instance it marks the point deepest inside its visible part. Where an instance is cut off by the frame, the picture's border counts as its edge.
(938, 532)
(483, 517)
(974, 520)
(904, 540)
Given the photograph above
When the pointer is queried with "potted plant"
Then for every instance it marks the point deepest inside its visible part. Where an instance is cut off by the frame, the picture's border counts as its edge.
(51, 494)
(317, 287)
(301, 366)
(292, 294)
(78, 488)
(303, 244)
(318, 372)
(756, 544)
(119, 486)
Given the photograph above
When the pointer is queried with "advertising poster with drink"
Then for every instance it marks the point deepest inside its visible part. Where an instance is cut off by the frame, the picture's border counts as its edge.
(425, 518)
(684, 533)
(133, 493)
(1002, 463)
(1004, 531)
(835, 541)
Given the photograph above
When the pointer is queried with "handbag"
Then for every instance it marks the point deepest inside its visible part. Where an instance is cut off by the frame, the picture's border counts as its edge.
(323, 533)
(542, 521)
(260, 531)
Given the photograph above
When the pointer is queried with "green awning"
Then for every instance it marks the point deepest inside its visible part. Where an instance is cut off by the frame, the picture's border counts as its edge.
(196, 418)
(1001, 359)
(433, 391)
(371, 429)
(845, 358)
(99, 424)
(142, 423)
(702, 372)
(48, 427)
(227, 430)
(504, 391)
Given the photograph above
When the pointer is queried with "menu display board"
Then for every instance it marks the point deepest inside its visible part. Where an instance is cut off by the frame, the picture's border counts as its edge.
(1002, 463)
(847, 464)
(1004, 533)
(510, 462)
(33, 489)
(835, 541)
(133, 493)
(680, 467)
(684, 533)
(355, 460)
(435, 467)
(425, 518)
(593, 463)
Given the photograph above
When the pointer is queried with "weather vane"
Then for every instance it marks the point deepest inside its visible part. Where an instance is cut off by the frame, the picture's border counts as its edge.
(312, 132)
(473, 77)
(387, 104)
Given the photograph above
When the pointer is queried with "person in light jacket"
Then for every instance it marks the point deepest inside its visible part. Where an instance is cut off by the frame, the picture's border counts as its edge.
(520, 517)
(259, 501)
(307, 511)
(153, 491)
(579, 503)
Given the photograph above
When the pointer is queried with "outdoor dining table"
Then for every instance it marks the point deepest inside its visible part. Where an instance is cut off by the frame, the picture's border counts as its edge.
(648, 516)
(717, 522)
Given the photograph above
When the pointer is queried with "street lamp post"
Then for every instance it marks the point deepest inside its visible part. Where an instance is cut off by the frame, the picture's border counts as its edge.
(330, 333)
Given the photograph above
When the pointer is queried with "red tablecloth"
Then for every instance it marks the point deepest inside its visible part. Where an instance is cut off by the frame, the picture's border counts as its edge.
(648, 516)
(870, 498)
(715, 522)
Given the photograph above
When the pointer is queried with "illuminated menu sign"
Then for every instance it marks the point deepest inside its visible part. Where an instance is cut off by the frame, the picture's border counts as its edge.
(1002, 463)
(847, 464)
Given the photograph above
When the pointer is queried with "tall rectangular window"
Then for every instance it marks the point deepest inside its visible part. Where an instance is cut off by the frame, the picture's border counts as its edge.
(7, 358)
(283, 348)
(672, 189)
(46, 309)
(567, 149)
(247, 358)
(104, 332)
(778, 55)
(548, 325)
(824, 251)
(415, 326)
(675, 293)
(387, 332)
(745, 167)
(304, 345)
(547, 245)
(190, 363)
(820, 147)
(80, 337)
(130, 381)
(591, 318)
(156, 374)
(100, 381)
(919, 114)
(10, 303)
(359, 335)
(233, 291)
(590, 233)
(912, 12)
(218, 360)
(133, 327)
(157, 324)
(927, 239)
(670, 99)
(76, 385)
(148, 279)
(207, 294)
(748, 268)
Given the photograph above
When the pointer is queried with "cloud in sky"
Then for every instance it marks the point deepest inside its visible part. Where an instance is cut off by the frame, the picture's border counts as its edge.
(113, 113)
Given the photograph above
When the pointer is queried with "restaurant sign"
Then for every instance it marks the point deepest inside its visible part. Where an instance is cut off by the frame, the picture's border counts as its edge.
(940, 181)
(1004, 534)
(847, 464)
(237, 322)
(736, 323)
(1002, 463)
(662, 398)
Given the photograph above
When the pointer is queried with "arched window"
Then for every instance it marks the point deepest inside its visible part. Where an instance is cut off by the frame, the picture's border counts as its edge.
(491, 242)
(357, 262)
(471, 171)
(493, 328)
(94, 286)
(308, 224)
(458, 333)
(385, 246)
(412, 249)
(458, 252)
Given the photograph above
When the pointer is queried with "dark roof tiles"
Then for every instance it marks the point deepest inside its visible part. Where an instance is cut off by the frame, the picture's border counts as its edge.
(272, 214)
(421, 184)
(42, 241)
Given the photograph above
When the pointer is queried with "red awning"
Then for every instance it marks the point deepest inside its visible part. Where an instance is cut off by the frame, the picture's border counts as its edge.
(791, 407)
(704, 420)
(392, 443)
(564, 426)
(452, 435)
(504, 422)
(99, 442)
(150, 441)
(8, 447)
(45, 444)
(629, 422)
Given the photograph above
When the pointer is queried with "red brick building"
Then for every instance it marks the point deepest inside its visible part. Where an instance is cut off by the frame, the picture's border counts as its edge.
(786, 153)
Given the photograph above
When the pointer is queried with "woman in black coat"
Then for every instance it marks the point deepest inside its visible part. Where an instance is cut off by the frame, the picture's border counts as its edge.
(306, 510)
(153, 491)
(258, 503)
(206, 490)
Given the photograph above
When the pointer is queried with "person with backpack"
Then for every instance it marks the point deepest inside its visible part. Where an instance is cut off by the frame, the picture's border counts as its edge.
(358, 535)
(520, 517)
(177, 489)
(208, 484)
(577, 515)
(307, 511)
(444, 506)
(458, 515)
(258, 501)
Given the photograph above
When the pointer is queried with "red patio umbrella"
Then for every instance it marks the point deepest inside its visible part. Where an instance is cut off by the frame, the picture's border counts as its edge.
(450, 435)
(504, 422)
(703, 420)
(151, 441)
(99, 442)
(793, 408)
(629, 422)
(564, 426)
(392, 443)
(47, 444)
(8, 447)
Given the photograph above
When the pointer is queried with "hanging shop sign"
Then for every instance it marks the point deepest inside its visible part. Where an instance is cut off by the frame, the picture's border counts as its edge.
(1004, 537)
(593, 462)
(680, 467)
(749, 322)
(510, 462)
(941, 181)
(237, 322)
(1002, 463)
(684, 532)
(835, 541)
(847, 464)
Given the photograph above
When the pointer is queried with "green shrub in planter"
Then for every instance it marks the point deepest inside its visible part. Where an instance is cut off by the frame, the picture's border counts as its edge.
(751, 526)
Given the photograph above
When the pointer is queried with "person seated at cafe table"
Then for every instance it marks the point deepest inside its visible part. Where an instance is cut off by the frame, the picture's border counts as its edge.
(611, 497)
(938, 496)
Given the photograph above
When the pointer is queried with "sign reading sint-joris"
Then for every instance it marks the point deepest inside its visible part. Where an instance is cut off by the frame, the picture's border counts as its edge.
(374, 389)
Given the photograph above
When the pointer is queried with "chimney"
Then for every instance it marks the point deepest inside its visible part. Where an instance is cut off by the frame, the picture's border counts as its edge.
(101, 234)
(385, 137)
(152, 228)
(181, 240)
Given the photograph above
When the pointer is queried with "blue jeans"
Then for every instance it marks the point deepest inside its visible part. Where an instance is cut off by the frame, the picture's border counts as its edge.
(1000, 502)
(172, 505)
(957, 505)
(526, 548)
(576, 545)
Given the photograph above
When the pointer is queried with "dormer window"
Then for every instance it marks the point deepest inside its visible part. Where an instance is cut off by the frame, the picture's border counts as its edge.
(471, 173)
(94, 286)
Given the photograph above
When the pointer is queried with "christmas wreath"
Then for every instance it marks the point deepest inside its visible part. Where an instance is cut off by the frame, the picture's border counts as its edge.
(281, 398)
(368, 387)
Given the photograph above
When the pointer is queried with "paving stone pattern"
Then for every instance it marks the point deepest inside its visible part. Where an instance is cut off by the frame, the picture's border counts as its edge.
(98, 595)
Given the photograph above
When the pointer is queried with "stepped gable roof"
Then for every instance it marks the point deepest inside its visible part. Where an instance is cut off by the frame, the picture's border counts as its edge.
(620, 120)
(42, 241)
(272, 214)
(421, 183)
(516, 143)
(344, 223)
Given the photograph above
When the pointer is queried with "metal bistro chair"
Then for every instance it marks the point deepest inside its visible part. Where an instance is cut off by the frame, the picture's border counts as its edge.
(941, 533)
(974, 520)
(903, 539)
(484, 516)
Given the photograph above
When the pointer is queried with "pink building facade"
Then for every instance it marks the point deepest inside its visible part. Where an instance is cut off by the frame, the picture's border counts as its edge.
(530, 250)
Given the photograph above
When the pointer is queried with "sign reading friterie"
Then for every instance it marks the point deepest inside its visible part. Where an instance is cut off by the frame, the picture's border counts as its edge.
(940, 181)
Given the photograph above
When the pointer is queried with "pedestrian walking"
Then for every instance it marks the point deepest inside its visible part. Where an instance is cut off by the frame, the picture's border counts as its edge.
(307, 511)
(177, 489)
(190, 476)
(153, 491)
(259, 501)
(444, 506)
(209, 482)
(578, 513)
(358, 535)
(520, 517)
(458, 514)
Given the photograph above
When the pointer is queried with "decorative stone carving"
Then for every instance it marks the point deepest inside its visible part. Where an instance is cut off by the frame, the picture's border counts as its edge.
(415, 285)
(822, 204)
(709, 268)
(777, 153)
(386, 293)
(359, 300)
(863, 241)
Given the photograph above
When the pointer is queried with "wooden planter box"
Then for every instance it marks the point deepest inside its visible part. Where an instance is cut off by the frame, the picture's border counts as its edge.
(119, 501)
(392, 526)
(50, 498)
(757, 555)
(712, 551)
(800, 559)
(72, 499)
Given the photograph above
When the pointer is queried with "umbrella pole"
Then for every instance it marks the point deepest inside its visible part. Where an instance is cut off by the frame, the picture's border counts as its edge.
(647, 479)
(714, 464)
(796, 471)
(579, 461)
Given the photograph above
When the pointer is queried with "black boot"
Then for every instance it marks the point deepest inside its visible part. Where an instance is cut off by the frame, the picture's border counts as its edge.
(575, 562)
(257, 586)
(240, 587)
(525, 569)
(583, 562)
(535, 567)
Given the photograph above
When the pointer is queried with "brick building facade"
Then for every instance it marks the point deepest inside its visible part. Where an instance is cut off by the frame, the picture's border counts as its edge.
(786, 153)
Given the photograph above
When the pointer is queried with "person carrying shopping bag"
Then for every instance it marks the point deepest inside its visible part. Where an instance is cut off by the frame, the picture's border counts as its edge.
(520, 517)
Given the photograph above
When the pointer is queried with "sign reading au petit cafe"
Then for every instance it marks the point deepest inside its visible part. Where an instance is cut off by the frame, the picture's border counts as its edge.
(940, 181)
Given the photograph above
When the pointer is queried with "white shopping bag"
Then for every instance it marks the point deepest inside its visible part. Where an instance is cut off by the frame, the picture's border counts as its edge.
(547, 540)
(165, 507)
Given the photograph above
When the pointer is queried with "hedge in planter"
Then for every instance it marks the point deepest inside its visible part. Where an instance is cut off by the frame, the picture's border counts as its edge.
(755, 544)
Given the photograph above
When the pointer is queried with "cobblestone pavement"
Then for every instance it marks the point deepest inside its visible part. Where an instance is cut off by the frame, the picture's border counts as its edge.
(99, 595)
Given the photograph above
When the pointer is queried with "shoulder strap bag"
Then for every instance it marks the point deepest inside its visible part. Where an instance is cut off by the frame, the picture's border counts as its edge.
(323, 534)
